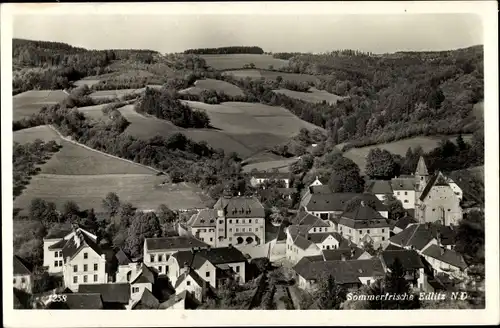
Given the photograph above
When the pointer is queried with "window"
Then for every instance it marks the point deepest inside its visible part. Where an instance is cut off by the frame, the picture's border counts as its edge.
(368, 282)
(75, 268)
(60, 263)
(406, 200)
(207, 274)
(230, 229)
(421, 178)
(230, 239)
(236, 221)
(14, 280)
(368, 231)
(188, 283)
(314, 229)
(75, 279)
(250, 221)
(159, 269)
(135, 290)
(237, 268)
(397, 193)
(230, 221)
(85, 278)
(449, 210)
(166, 268)
(56, 254)
(383, 230)
(85, 256)
(95, 278)
(56, 263)
(95, 266)
(250, 229)
(202, 239)
(211, 239)
(221, 221)
(23, 280)
(160, 258)
(237, 229)
(327, 246)
(243, 229)
(406, 193)
(221, 229)
(152, 258)
(85, 266)
(360, 231)
(256, 229)
(383, 238)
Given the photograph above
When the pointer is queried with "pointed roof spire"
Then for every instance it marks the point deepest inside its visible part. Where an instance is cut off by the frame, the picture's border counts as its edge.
(421, 167)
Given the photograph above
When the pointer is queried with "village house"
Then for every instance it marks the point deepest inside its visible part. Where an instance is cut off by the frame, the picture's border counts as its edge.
(84, 261)
(403, 189)
(53, 245)
(261, 178)
(191, 282)
(412, 265)
(235, 221)
(323, 203)
(147, 301)
(347, 273)
(182, 301)
(214, 265)
(420, 236)
(403, 223)
(23, 275)
(316, 182)
(380, 188)
(158, 250)
(364, 225)
(115, 296)
(444, 260)
(77, 301)
(142, 280)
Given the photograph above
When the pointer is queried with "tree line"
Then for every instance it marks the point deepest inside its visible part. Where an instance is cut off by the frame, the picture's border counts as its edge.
(226, 50)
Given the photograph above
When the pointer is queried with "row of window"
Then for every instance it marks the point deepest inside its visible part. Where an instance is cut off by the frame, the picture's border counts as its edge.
(406, 193)
(85, 279)
(58, 263)
(361, 231)
(85, 267)
(238, 221)
(160, 258)
(58, 254)
(23, 280)
(320, 229)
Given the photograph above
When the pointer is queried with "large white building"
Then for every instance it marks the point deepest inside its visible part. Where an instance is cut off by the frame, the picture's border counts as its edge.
(234, 221)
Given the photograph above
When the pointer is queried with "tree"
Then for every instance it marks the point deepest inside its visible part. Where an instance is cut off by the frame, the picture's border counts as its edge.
(70, 208)
(355, 202)
(346, 177)
(276, 216)
(165, 214)
(144, 225)
(32, 251)
(43, 211)
(395, 283)
(380, 164)
(461, 143)
(111, 203)
(470, 237)
(126, 212)
(396, 209)
(329, 294)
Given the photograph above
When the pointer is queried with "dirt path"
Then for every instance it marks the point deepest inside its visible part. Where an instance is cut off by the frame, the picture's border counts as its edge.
(100, 152)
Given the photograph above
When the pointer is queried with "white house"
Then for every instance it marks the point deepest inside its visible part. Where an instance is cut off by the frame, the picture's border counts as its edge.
(404, 191)
(84, 262)
(142, 280)
(445, 260)
(191, 282)
(53, 245)
(23, 277)
(259, 178)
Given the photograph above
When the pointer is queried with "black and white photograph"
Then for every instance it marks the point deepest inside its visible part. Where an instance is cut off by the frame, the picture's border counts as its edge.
(309, 159)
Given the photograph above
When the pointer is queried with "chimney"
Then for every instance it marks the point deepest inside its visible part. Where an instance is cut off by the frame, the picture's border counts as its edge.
(188, 270)
(230, 246)
(186, 264)
(239, 193)
(353, 250)
(77, 240)
(363, 203)
(103, 256)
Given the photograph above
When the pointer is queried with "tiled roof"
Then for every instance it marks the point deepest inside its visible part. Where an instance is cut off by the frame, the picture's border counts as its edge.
(421, 167)
(110, 293)
(336, 202)
(59, 245)
(219, 255)
(415, 235)
(363, 213)
(437, 179)
(339, 254)
(363, 217)
(204, 218)
(403, 222)
(193, 274)
(84, 301)
(189, 301)
(314, 258)
(72, 248)
(320, 189)
(122, 258)
(270, 175)
(445, 255)
(21, 266)
(281, 235)
(147, 301)
(392, 247)
(379, 187)
(307, 219)
(60, 233)
(409, 259)
(144, 276)
(173, 243)
(403, 184)
(240, 207)
(344, 272)
(320, 237)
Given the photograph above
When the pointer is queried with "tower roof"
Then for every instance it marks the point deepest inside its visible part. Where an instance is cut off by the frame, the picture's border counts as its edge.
(421, 167)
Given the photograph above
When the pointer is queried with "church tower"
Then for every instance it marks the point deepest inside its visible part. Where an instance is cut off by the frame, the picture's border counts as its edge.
(421, 180)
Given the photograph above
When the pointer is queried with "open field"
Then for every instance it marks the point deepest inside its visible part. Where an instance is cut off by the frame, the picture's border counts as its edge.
(142, 190)
(314, 95)
(281, 165)
(261, 156)
(211, 84)
(358, 155)
(30, 102)
(85, 176)
(88, 82)
(113, 93)
(236, 61)
(271, 75)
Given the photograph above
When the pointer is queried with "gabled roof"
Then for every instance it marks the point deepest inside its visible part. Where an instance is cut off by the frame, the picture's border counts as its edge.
(344, 272)
(338, 254)
(240, 207)
(407, 184)
(204, 218)
(72, 247)
(362, 212)
(409, 259)
(415, 235)
(421, 167)
(270, 175)
(320, 189)
(173, 243)
(59, 245)
(437, 179)
(193, 274)
(306, 219)
(145, 275)
(219, 255)
(405, 221)
(147, 301)
(320, 237)
(21, 266)
(84, 301)
(445, 255)
(110, 293)
(189, 301)
(378, 187)
(392, 247)
(122, 258)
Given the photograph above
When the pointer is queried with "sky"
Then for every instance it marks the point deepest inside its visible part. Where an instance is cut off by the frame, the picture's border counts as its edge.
(274, 33)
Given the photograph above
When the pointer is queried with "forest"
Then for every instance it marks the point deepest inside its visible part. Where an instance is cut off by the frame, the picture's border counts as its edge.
(226, 50)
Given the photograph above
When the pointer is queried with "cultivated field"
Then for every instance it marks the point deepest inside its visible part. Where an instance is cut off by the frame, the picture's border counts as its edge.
(88, 82)
(358, 155)
(211, 84)
(281, 165)
(314, 95)
(271, 75)
(30, 102)
(236, 61)
(85, 176)
(114, 93)
(142, 190)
